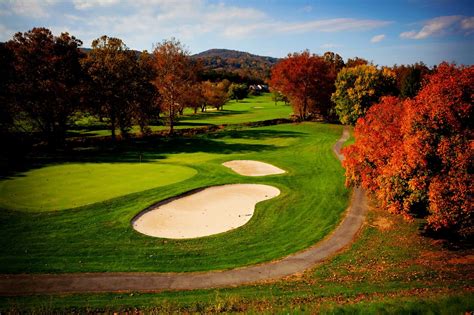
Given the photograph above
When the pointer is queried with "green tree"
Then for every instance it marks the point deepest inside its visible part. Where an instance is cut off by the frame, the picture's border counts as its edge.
(238, 91)
(359, 87)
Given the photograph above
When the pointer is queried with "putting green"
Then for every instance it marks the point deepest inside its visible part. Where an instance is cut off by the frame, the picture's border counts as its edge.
(67, 186)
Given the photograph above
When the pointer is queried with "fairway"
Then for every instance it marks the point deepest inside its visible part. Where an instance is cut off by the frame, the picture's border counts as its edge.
(251, 109)
(60, 187)
(100, 236)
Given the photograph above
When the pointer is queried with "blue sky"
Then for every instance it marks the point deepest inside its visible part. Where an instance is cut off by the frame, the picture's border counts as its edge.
(385, 32)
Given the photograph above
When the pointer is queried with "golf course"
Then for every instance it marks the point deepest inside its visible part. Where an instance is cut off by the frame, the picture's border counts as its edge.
(321, 165)
(74, 214)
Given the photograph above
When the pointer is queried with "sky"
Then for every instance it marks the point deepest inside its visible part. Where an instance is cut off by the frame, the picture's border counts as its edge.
(385, 32)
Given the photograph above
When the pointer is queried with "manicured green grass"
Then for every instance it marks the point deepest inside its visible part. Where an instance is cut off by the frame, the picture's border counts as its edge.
(390, 269)
(99, 237)
(251, 109)
(71, 185)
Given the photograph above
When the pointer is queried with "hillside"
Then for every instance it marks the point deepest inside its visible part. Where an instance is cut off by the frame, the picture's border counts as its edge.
(243, 65)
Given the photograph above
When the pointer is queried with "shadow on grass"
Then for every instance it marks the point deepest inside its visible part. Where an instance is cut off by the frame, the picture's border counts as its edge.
(211, 115)
(256, 134)
(145, 150)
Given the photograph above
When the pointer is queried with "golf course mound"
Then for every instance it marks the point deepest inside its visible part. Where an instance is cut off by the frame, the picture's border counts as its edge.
(205, 212)
(253, 168)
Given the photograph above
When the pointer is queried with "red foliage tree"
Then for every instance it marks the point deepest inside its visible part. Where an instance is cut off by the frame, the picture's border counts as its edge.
(307, 80)
(417, 156)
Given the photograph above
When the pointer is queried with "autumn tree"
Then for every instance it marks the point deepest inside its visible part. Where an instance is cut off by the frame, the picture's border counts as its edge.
(174, 76)
(215, 94)
(114, 82)
(47, 80)
(147, 99)
(6, 97)
(307, 80)
(358, 88)
(409, 78)
(416, 155)
(356, 61)
(335, 60)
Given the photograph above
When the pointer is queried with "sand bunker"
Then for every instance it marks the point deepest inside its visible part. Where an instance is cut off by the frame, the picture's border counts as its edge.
(253, 168)
(209, 211)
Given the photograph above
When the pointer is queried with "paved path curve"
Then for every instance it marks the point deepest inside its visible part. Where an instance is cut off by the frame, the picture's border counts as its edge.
(341, 237)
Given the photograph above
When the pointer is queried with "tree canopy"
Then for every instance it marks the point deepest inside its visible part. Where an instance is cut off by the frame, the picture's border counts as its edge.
(416, 155)
(357, 88)
(307, 80)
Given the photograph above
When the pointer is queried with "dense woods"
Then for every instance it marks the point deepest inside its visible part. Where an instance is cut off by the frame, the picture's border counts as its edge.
(416, 154)
(413, 125)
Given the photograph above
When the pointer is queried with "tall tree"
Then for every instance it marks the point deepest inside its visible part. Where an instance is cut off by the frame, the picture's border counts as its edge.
(416, 156)
(113, 71)
(238, 91)
(356, 61)
(147, 99)
(409, 78)
(358, 88)
(215, 94)
(307, 80)
(335, 60)
(175, 74)
(47, 80)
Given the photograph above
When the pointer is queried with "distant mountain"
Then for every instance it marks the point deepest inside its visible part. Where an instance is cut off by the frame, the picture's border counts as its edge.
(247, 66)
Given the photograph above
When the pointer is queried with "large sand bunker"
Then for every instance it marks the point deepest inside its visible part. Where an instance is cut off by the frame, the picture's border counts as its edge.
(253, 168)
(206, 212)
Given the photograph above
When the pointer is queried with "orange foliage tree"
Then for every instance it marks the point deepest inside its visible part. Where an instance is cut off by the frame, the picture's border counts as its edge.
(175, 74)
(307, 80)
(416, 155)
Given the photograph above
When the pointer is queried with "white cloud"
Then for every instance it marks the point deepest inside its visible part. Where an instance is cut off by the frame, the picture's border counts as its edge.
(377, 38)
(6, 33)
(441, 26)
(29, 8)
(307, 8)
(330, 25)
(88, 4)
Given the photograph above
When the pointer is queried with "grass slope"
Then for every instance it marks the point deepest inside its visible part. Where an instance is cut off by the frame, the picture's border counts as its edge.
(99, 237)
(73, 185)
(390, 269)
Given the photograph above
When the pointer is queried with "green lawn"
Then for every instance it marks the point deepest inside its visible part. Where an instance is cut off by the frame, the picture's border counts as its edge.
(99, 236)
(251, 109)
(64, 186)
(390, 269)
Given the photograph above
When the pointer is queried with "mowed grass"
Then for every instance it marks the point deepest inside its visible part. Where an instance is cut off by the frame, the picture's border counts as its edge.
(389, 269)
(99, 237)
(251, 109)
(65, 186)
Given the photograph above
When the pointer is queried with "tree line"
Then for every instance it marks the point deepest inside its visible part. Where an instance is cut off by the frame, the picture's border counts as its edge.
(47, 79)
(413, 130)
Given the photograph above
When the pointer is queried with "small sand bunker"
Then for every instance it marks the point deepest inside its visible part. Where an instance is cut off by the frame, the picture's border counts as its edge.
(206, 212)
(253, 168)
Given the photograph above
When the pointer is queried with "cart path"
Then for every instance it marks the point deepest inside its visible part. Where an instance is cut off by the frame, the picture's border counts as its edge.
(340, 238)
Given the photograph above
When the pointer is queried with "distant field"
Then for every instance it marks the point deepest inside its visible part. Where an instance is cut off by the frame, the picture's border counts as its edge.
(251, 109)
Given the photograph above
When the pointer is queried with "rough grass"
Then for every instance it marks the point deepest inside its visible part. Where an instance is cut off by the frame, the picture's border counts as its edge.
(71, 185)
(99, 237)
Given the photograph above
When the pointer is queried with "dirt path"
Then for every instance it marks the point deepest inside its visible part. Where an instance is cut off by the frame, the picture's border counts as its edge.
(341, 237)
